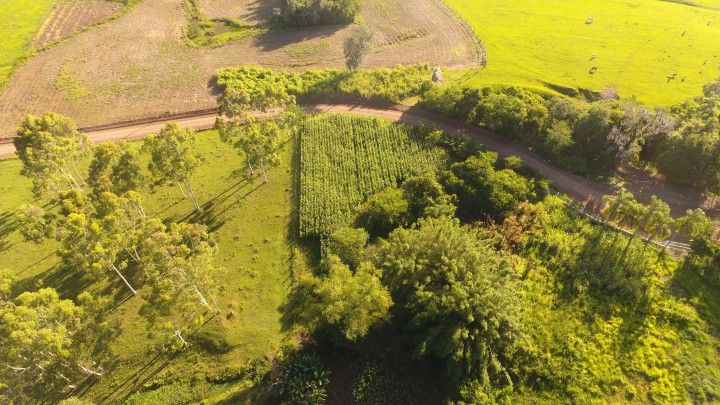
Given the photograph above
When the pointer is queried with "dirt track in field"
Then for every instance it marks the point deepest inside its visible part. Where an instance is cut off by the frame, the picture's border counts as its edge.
(581, 189)
(138, 65)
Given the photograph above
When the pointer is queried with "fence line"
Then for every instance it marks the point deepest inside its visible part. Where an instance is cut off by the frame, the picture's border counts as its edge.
(667, 244)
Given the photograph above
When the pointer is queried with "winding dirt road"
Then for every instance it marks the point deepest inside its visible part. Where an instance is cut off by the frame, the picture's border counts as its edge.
(581, 189)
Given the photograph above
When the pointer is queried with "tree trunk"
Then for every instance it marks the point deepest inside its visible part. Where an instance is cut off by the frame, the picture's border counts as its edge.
(127, 283)
(192, 195)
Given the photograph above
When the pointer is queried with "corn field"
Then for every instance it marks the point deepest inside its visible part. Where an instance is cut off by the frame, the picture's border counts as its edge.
(345, 159)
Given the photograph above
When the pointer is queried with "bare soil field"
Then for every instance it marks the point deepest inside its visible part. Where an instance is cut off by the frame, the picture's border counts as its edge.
(70, 17)
(138, 65)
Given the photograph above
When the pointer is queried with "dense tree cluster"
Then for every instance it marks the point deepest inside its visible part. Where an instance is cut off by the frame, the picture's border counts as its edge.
(310, 13)
(587, 138)
(105, 238)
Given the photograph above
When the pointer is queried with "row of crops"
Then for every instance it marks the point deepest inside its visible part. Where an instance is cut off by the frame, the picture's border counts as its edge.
(345, 159)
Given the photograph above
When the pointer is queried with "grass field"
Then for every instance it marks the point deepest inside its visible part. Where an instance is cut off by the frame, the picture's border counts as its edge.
(251, 223)
(19, 22)
(632, 46)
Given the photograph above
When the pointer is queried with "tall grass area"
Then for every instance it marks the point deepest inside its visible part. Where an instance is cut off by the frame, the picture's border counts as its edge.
(661, 52)
(251, 223)
(19, 22)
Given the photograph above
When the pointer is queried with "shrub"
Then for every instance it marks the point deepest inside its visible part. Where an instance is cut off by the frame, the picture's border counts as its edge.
(301, 379)
(348, 244)
(389, 84)
(384, 211)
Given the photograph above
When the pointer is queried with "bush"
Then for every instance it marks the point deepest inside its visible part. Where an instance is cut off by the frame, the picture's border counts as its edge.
(348, 244)
(387, 84)
(309, 13)
(301, 379)
(384, 211)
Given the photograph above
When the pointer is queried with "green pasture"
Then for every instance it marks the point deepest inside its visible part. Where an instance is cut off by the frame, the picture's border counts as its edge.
(251, 222)
(19, 22)
(659, 51)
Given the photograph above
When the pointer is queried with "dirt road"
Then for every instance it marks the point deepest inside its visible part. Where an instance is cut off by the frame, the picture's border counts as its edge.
(579, 188)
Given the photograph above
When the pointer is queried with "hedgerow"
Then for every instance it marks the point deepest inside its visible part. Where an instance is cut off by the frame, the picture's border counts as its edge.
(387, 84)
(346, 159)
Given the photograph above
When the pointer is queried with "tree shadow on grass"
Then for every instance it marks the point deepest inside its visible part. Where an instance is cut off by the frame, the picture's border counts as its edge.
(8, 224)
(212, 210)
(277, 38)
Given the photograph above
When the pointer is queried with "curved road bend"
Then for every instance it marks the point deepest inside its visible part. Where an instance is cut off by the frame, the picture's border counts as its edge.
(579, 188)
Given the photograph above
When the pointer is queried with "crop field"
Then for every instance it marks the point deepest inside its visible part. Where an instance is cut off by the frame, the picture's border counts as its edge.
(345, 159)
(250, 222)
(69, 17)
(660, 52)
(19, 22)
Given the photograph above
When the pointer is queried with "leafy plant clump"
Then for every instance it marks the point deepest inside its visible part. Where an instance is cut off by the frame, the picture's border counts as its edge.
(386, 84)
(310, 13)
(202, 31)
(301, 379)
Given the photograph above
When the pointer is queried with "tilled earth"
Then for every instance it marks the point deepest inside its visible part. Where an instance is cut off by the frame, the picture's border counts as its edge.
(138, 65)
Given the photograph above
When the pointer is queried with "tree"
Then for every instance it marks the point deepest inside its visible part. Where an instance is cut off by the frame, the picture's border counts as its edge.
(37, 331)
(7, 281)
(352, 302)
(656, 221)
(173, 158)
(694, 223)
(348, 244)
(179, 273)
(50, 148)
(383, 211)
(456, 296)
(513, 113)
(103, 239)
(592, 135)
(115, 167)
(485, 191)
(623, 209)
(258, 142)
(357, 46)
(35, 223)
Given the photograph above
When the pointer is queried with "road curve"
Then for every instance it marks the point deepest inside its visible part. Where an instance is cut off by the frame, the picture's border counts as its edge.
(579, 188)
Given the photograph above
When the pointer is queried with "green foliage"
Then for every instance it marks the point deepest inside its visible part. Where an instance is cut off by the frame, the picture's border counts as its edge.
(249, 84)
(301, 379)
(310, 13)
(352, 302)
(115, 167)
(485, 190)
(50, 147)
(692, 154)
(258, 142)
(383, 211)
(35, 223)
(348, 244)
(426, 197)
(37, 330)
(173, 158)
(456, 296)
(202, 31)
(344, 159)
(387, 378)
(357, 46)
